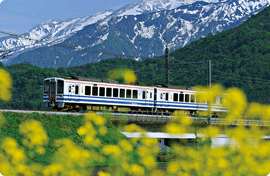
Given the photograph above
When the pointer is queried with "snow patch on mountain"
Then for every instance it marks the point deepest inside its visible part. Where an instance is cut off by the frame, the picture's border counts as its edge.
(179, 21)
(145, 32)
(148, 6)
(53, 31)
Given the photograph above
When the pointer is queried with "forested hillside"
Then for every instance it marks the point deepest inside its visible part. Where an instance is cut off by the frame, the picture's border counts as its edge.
(239, 56)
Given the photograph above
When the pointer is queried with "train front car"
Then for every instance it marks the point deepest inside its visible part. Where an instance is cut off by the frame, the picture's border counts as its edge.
(53, 93)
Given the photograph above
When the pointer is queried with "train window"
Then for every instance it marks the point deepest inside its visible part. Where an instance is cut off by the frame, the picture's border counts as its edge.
(192, 100)
(95, 91)
(135, 94)
(115, 92)
(108, 92)
(175, 97)
(218, 100)
(143, 95)
(102, 91)
(46, 86)
(161, 96)
(186, 97)
(87, 90)
(155, 94)
(53, 87)
(69, 89)
(77, 89)
(181, 98)
(167, 96)
(128, 93)
(122, 93)
(150, 95)
(60, 86)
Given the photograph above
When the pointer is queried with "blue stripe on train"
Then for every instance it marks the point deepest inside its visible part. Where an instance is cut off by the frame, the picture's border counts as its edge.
(131, 102)
(125, 103)
(126, 99)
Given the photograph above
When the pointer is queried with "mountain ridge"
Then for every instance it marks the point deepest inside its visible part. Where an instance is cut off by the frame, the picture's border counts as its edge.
(179, 26)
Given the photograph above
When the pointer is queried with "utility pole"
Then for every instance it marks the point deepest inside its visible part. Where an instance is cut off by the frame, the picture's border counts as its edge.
(209, 81)
(167, 64)
(209, 84)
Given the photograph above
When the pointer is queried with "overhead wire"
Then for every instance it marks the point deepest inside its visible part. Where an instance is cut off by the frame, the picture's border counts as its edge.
(121, 55)
(71, 47)
(231, 74)
(22, 14)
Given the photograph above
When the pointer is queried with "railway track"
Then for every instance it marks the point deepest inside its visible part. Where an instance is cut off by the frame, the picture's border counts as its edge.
(41, 112)
(148, 117)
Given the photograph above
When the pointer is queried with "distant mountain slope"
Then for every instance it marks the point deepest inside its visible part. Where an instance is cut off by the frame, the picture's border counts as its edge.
(57, 31)
(143, 35)
(54, 31)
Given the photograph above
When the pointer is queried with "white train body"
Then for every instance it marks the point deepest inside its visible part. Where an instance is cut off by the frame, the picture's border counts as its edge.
(61, 93)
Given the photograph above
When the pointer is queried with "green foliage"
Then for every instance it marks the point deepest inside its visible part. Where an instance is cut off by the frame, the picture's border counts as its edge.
(56, 127)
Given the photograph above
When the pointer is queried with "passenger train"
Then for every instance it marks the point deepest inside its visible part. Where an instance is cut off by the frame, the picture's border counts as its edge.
(77, 94)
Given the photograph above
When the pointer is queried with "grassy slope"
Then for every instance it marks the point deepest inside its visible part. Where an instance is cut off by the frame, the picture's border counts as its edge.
(57, 127)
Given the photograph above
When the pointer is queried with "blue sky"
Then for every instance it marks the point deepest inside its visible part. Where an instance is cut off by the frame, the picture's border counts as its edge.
(18, 16)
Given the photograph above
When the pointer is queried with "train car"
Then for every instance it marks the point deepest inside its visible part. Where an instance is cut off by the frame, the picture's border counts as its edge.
(71, 94)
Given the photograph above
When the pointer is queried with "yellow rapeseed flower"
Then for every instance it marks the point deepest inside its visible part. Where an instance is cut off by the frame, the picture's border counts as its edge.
(149, 142)
(12, 149)
(5, 85)
(133, 128)
(100, 173)
(173, 167)
(111, 149)
(53, 170)
(173, 128)
(96, 118)
(210, 132)
(34, 132)
(254, 110)
(237, 103)
(137, 169)
(71, 153)
(125, 145)
(129, 76)
(41, 150)
(125, 166)
(149, 162)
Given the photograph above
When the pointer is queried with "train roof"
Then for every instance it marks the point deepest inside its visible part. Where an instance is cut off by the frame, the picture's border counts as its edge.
(99, 80)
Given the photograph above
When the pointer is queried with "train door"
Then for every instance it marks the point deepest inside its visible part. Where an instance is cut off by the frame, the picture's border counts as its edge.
(52, 91)
(71, 91)
(145, 97)
(162, 99)
(165, 99)
(150, 97)
(155, 99)
(77, 92)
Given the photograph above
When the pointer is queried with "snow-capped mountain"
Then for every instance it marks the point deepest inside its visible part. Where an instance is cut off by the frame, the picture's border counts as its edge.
(136, 29)
(148, 6)
(54, 31)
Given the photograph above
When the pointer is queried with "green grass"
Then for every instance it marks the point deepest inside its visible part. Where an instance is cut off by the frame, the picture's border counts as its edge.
(56, 127)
